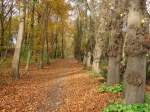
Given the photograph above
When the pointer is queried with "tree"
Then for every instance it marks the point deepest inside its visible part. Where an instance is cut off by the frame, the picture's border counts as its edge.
(16, 57)
(135, 75)
(115, 42)
(44, 33)
(101, 34)
(31, 36)
(90, 45)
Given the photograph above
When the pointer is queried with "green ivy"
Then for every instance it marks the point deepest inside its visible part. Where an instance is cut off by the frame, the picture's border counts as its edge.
(147, 98)
(111, 89)
(129, 108)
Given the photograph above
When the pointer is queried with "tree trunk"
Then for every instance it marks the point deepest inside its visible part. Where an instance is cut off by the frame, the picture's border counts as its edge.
(115, 43)
(78, 39)
(90, 44)
(100, 35)
(2, 24)
(56, 44)
(31, 36)
(84, 60)
(44, 36)
(95, 65)
(62, 45)
(135, 79)
(113, 76)
(42, 49)
(89, 56)
(28, 60)
(47, 50)
(135, 75)
(16, 57)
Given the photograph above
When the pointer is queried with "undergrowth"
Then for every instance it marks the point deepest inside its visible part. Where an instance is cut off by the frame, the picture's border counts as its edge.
(94, 74)
(115, 107)
(102, 73)
(111, 89)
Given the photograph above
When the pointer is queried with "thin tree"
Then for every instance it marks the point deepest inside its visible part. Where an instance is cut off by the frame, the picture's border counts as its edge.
(16, 58)
(31, 36)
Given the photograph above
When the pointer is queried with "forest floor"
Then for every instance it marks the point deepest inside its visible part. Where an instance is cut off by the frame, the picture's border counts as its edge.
(62, 86)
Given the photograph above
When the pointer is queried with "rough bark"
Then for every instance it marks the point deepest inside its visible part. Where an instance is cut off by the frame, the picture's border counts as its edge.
(115, 43)
(90, 45)
(135, 79)
(114, 71)
(135, 75)
(101, 29)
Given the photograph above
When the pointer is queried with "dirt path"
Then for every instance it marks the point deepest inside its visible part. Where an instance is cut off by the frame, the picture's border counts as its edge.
(64, 86)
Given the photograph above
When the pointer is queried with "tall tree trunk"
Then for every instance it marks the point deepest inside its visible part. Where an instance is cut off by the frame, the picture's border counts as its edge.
(44, 36)
(46, 32)
(115, 43)
(31, 36)
(42, 48)
(135, 75)
(2, 24)
(47, 50)
(56, 44)
(100, 35)
(90, 44)
(78, 39)
(62, 45)
(16, 57)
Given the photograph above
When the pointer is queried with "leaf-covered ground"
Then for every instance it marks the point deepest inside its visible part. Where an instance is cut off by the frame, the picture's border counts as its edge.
(63, 86)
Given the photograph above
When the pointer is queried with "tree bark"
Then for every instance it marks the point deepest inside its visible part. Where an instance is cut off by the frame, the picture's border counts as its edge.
(135, 75)
(46, 32)
(101, 29)
(31, 36)
(90, 44)
(44, 35)
(115, 43)
(89, 56)
(2, 24)
(113, 76)
(16, 57)
(62, 41)
(78, 39)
